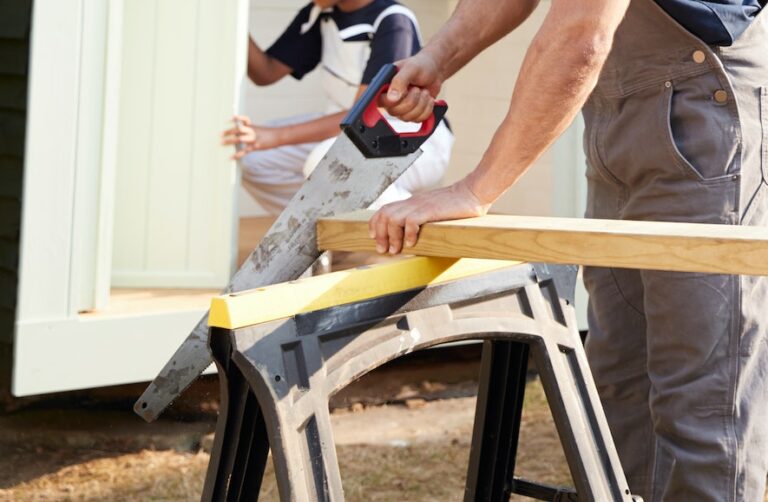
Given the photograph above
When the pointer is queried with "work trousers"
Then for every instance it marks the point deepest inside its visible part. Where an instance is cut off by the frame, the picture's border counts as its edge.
(677, 130)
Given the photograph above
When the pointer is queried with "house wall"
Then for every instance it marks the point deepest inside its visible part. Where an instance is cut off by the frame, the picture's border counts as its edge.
(76, 58)
(478, 96)
(182, 63)
(15, 18)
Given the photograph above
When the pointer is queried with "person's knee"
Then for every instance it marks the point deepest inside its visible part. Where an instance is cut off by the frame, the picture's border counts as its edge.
(256, 162)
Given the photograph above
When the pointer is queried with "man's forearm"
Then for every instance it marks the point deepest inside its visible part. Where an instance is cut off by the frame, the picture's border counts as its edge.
(473, 26)
(559, 72)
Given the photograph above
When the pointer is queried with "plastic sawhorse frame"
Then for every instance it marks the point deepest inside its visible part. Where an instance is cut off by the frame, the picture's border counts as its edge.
(276, 379)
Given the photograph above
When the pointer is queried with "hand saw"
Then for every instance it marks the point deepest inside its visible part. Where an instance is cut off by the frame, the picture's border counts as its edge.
(367, 157)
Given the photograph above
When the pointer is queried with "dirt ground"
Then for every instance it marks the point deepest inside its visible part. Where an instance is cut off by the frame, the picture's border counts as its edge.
(411, 452)
(402, 434)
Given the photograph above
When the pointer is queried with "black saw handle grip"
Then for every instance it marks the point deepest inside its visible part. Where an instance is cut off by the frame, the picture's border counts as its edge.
(372, 133)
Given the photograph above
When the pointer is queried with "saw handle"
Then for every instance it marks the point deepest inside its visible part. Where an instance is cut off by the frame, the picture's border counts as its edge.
(373, 134)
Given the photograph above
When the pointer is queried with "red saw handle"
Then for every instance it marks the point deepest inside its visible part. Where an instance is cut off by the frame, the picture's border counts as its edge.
(372, 116)
(373, 134)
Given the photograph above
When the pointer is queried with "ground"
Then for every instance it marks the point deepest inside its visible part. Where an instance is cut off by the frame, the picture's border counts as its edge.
(402, 433)
(414, 452)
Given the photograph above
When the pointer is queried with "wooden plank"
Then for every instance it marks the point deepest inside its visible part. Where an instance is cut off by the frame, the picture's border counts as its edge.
(681, 247)
(279, 301)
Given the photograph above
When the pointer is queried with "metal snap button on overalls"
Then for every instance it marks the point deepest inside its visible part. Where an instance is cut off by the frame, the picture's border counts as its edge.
(699, 56)
(720, 96)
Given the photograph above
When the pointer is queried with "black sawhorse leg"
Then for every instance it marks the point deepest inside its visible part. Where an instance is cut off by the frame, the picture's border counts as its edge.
(497, 421)
(572, 398)
(498, 414)
(241, 446)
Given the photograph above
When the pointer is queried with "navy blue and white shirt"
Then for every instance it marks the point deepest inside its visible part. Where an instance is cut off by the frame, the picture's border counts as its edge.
(716, 22)
(350, 46)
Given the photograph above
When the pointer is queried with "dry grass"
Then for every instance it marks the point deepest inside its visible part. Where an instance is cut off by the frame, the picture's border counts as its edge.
(433, 471)
(425, 471)
(145, 475)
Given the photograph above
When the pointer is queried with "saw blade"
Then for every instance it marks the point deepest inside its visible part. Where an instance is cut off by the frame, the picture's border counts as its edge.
(344, 180)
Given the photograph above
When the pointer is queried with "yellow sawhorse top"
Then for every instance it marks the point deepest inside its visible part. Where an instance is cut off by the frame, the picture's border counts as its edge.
(256, 306)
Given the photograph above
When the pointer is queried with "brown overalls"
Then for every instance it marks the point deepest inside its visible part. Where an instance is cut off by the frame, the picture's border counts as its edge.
(677, 130)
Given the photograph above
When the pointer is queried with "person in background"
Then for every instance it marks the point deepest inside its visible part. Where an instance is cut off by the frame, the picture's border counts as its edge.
(350, 40)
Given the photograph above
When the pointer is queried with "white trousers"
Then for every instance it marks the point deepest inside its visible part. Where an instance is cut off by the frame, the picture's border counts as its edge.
(273, 176)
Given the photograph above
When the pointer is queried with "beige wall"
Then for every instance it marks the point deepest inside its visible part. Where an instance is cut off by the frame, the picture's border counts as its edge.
(478, 96)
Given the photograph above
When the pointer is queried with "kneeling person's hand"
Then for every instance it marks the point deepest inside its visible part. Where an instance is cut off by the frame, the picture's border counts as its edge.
(247, 137)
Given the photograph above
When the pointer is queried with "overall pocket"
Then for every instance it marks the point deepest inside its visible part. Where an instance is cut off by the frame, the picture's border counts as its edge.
(700, 128)
(595, 120)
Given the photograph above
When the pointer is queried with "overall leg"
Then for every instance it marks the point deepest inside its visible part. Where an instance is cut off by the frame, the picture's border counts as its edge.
(678, 138)
(693, 327)
(708, 334)
(615, 347)
(616, 343)
(747, 66)
(703, 400)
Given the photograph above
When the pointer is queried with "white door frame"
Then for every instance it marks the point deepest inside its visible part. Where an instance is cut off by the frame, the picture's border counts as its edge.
(67, 215)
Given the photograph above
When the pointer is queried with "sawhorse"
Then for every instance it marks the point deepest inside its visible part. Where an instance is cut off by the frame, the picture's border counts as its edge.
(282, 351)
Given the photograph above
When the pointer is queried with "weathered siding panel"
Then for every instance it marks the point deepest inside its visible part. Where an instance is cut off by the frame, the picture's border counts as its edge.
(15, 19)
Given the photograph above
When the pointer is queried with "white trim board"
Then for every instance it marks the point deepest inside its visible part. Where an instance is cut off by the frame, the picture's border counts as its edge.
(81, 353)
(45, 261)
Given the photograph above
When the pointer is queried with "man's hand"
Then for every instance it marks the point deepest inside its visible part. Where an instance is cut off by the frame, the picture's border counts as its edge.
(247, 137)
(396, 225)
(411, 95)
(412, 92)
